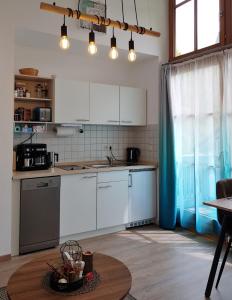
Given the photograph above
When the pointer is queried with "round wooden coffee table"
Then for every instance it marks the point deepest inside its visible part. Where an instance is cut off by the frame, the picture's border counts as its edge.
(26, 282)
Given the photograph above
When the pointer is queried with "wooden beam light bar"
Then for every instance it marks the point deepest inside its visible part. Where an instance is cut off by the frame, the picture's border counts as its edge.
(96, 19)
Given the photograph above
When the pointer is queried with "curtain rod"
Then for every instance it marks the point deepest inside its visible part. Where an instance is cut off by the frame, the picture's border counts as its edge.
(198, 55)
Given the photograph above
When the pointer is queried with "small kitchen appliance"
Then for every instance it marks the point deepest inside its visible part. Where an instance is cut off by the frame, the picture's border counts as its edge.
(133, 155)
(32, 157)
(42, 114)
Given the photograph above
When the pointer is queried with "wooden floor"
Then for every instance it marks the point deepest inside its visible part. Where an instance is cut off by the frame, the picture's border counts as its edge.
(165, 265)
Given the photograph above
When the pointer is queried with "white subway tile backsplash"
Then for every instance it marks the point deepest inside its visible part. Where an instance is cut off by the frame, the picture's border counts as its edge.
(94, 142)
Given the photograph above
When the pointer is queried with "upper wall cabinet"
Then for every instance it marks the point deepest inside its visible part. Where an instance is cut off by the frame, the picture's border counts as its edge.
(71, 101)
(104, 104)
(133, 106)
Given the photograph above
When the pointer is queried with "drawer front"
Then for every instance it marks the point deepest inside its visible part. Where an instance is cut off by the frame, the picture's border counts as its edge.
(113, 176)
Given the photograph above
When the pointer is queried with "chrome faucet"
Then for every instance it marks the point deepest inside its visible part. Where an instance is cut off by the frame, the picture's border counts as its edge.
(110, 160)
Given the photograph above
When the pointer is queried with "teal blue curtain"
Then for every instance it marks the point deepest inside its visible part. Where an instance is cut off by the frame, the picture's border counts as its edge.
(167, 180)
(196, 98)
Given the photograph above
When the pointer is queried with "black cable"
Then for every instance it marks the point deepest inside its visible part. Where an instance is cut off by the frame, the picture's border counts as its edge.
(123, 17)
(78, 8)
(136, 13)
(27, 139)
(105, 10)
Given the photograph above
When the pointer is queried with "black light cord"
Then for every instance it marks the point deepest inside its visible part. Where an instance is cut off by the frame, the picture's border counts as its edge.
(136, 13)
(105, 10)
(78, 8)
(123, 17)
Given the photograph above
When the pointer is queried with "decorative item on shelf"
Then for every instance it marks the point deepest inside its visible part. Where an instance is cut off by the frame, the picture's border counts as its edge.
(68, 276)
(28, 94)
(29, 71)
(38, 90)
(91, 16)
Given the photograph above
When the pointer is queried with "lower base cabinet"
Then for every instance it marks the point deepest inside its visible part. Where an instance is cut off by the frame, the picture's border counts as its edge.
(112, 203)
(142, 195)
(77, 204)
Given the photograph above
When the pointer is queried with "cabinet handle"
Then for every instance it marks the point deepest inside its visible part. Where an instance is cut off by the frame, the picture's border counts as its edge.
(89, 177)
(127, 122)
(81, 120)
(130, 180)
(112, 121)
(105, 187)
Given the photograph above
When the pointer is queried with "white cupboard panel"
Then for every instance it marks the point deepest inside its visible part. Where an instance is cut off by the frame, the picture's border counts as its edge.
(77, 204)
(133, 106)
(112, 204)
(72, 103)
(104, 104)
(142, 196)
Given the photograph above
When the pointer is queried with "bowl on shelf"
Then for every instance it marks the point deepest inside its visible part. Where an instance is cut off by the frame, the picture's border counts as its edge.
(29, 71)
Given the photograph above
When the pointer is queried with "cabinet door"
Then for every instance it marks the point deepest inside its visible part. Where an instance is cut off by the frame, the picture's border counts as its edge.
(78, 204)
(142, 196)
(133, 106)
(71, 101)
(112, 204)
(104, 104)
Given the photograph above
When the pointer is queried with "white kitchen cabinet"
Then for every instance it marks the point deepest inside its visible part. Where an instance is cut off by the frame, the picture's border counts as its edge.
(133, 106)
(142, 195)
(104, 104)
(77, 203)
(112, 200)
(72, 102)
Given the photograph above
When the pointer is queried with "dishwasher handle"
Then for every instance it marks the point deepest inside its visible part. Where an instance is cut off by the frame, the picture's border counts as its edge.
(42, 185)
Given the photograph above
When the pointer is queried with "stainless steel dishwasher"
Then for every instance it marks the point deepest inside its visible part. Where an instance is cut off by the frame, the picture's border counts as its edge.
(39, 214)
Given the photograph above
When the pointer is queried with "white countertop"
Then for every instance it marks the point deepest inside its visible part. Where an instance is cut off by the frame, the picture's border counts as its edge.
(17, 175)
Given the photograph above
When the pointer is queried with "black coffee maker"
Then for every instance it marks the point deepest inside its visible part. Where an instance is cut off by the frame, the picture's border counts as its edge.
(133, 155)
(32, 157)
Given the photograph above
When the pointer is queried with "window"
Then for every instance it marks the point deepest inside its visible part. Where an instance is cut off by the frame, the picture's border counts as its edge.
(196, 25)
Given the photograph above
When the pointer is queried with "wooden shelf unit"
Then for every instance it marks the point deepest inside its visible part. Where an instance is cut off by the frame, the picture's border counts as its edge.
(30, 103)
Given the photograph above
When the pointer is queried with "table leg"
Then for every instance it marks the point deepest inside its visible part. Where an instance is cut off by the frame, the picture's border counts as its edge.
(216, 259)
(224, 262)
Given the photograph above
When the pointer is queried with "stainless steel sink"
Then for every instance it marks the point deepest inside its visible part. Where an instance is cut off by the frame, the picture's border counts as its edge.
(71, 167)
(97, 166)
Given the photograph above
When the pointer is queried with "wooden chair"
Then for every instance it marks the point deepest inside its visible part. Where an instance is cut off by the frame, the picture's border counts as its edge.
(224, 190)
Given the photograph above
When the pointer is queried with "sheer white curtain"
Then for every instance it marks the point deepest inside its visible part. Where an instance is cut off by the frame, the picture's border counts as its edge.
(196, 97)
(227, 114)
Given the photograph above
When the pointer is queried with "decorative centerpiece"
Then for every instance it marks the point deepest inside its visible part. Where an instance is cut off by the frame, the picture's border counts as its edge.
(67, 275)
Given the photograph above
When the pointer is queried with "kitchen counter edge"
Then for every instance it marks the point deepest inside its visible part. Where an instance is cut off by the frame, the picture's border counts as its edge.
(17, 175)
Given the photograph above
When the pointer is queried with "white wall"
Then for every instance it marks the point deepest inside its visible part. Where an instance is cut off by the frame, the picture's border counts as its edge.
(6, 120)
(151, 13)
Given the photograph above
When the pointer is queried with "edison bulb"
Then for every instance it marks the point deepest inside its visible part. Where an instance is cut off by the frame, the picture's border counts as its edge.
(64, 42)
(132, 55)
(92, 48)
(113, 53)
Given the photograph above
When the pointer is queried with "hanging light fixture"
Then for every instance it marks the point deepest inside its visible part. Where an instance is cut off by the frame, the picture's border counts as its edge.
(113, 54)
(64, 40)
(131, 54)
(92, 48)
